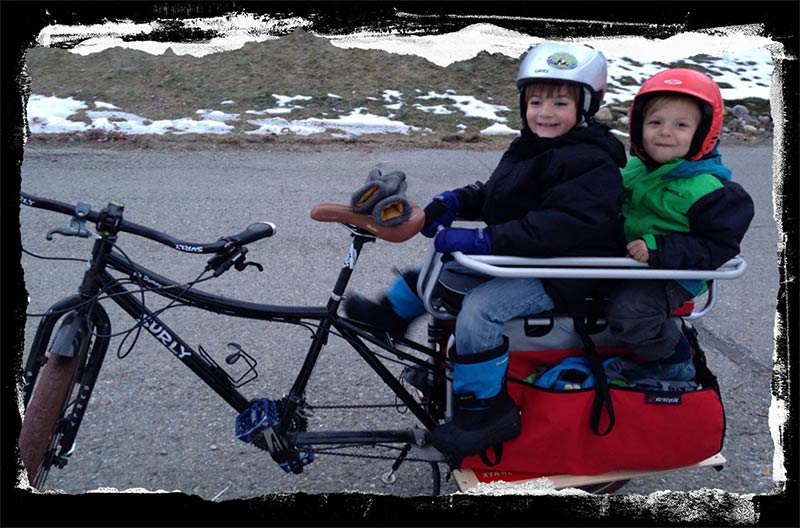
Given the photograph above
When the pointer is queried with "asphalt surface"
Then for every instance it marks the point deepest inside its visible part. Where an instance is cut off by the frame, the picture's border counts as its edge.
(152, 425)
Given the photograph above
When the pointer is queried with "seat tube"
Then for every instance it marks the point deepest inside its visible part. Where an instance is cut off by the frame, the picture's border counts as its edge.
(349, 265)
(295, 394)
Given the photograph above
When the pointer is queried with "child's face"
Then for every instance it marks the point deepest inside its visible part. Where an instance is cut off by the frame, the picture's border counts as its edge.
(550, 115)
(668, 129)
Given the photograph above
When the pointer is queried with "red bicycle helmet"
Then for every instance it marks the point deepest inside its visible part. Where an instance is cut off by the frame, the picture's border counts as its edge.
(687, 82)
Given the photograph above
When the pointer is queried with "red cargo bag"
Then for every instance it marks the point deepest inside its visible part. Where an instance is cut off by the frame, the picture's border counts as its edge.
(605, 428)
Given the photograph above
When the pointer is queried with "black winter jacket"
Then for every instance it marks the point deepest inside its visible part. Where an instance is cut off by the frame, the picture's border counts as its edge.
(554, 197)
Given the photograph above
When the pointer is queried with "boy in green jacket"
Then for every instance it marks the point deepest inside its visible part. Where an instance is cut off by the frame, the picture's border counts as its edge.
(682, 211)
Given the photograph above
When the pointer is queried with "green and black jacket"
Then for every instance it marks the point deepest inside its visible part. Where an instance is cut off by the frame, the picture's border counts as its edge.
(689, 213)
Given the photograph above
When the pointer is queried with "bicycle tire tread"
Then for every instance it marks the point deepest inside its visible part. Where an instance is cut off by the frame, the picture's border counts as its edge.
(45, 409)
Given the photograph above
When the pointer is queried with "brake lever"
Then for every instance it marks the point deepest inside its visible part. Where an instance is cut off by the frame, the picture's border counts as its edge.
(77, 226)
(241, 265)
(77, 229)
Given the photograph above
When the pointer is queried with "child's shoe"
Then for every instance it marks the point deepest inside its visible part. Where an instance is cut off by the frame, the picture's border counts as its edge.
(683, 371)
(395, 310)
(379, 314)
(675, 366)
(479, 421)
(478, 425)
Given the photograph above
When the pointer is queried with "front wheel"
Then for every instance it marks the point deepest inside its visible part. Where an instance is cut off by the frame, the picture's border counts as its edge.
(59, 391)
(43, 417)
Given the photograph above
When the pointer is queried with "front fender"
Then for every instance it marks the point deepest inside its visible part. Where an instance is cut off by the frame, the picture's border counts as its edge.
(36, 355)
(68, 337)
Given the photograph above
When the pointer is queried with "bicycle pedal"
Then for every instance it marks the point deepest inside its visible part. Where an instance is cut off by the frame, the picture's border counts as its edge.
(304, 459)
(261, 415)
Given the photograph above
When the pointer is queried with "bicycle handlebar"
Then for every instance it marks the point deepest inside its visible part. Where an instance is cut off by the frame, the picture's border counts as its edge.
(81, 211)
(253, 232)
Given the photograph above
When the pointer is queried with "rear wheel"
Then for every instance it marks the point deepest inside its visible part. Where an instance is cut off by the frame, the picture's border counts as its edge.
(48, 411)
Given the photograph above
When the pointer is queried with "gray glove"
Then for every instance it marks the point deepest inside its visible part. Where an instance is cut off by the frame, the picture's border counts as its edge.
(378, 187)
(384, 197)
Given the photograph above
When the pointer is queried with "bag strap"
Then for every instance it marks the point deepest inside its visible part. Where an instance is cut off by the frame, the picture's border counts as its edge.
(498, 455)
(602, 396)
(704, 375)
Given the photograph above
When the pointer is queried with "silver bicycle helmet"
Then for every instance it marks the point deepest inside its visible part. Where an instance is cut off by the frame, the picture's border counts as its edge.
(562, 61)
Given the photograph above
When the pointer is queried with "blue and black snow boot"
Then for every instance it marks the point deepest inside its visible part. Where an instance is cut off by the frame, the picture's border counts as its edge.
(394, 311)
(378, 314)
(484, 414)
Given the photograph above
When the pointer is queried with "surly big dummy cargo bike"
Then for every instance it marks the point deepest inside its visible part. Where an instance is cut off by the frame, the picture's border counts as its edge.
(66, 356)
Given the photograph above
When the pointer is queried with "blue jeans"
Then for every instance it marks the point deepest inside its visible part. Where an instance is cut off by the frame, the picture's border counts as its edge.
(485, 309)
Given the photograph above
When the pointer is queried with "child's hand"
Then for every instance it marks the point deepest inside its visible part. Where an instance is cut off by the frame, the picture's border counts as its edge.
(468, 241)
(638, 250)
(440, 212)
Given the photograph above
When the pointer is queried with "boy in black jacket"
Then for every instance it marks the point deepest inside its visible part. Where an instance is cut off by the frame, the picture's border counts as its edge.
(556, 192)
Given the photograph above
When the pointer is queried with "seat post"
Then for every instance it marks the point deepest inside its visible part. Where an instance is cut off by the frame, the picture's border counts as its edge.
(353, 252)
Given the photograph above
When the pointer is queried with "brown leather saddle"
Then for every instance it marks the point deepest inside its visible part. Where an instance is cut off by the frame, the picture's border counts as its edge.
(344, 214)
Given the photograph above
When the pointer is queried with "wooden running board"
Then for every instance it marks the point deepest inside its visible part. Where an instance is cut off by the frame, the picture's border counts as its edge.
(466, 478)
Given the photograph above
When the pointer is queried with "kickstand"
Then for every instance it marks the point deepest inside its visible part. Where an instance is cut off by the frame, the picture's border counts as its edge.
(390, 477)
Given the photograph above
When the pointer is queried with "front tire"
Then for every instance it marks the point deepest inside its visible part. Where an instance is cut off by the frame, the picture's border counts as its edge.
(47, 411)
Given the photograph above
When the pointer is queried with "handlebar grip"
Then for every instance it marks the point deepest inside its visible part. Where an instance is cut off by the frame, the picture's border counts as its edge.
(255, 232)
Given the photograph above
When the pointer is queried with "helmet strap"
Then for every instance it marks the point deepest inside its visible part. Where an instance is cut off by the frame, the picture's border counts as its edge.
(702, 130)
(636, 127)
(586, 101)
(584, 107)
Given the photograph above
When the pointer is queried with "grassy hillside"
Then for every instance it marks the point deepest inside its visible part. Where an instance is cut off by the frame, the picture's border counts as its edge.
(169, 86)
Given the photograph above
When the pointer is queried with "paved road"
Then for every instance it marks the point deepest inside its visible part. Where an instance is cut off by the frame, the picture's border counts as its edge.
(152, 425)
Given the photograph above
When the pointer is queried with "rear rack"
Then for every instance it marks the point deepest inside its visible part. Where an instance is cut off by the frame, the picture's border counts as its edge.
(570, 268)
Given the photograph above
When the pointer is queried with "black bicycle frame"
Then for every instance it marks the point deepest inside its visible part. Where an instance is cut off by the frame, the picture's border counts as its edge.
(216, 378)
(227, 252)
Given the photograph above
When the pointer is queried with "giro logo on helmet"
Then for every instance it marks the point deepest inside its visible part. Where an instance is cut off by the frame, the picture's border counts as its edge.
(673, 82)
(562, 61)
